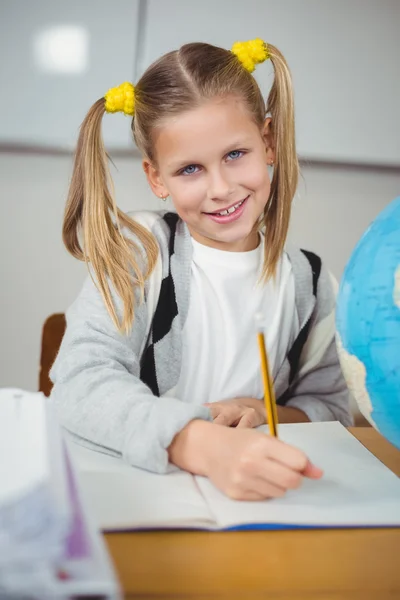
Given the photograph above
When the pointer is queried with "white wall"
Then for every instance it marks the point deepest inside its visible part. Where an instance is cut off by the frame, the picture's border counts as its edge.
(67, 56)
(343, 55)
(38, 277)
(335, 205)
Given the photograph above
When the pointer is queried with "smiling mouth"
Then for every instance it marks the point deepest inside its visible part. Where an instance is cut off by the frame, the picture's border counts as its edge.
(230, 210)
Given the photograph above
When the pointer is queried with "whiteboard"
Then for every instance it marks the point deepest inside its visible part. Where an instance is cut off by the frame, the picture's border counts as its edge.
(42, 103)
(343, 54)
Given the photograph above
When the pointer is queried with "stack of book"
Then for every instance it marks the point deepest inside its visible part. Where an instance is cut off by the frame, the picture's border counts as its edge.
(49, 547)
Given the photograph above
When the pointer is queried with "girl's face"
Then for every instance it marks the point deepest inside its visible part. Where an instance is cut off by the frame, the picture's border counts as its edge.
(212, 161)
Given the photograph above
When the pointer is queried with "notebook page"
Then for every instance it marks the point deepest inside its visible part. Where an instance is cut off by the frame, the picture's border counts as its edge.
(356, 489)
(122, 497)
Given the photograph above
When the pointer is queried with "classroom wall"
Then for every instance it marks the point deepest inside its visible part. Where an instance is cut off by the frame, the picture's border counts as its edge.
(343, 56)
(332, 209)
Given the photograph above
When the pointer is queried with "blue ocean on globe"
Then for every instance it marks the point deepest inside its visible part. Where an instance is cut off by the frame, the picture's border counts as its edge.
(368, 323)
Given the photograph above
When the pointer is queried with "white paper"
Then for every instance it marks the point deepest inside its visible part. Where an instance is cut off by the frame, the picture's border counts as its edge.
(44, 525)
(123, 497)
(24, 461)
(356, 489)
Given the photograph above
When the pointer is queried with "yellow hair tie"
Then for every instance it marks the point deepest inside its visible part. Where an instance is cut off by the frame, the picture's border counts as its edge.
(121, 99)
(251, 53)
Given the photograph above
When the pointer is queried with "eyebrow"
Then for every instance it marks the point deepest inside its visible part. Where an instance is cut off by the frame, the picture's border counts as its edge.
(243, 143)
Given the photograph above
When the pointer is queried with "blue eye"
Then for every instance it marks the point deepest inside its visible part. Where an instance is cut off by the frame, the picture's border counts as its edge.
(189, 170)
(235, 154)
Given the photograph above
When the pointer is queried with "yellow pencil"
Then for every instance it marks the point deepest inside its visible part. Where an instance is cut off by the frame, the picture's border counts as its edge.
(269, 393)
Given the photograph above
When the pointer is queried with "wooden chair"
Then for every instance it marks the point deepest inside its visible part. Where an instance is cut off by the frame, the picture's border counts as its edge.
(52, 335)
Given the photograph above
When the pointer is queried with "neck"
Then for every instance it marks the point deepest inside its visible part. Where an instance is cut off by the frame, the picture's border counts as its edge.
(246, 244)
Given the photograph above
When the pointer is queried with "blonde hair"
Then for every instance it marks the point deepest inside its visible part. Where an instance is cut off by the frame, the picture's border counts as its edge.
(177, 82)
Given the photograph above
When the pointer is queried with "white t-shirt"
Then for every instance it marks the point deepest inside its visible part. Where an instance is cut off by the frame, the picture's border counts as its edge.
(220, 356)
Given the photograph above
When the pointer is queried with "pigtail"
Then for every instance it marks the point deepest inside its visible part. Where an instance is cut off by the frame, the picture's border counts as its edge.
(280, 105)
(92, 226)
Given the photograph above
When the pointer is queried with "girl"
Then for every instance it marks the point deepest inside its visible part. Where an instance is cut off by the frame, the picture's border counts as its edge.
(159, 363)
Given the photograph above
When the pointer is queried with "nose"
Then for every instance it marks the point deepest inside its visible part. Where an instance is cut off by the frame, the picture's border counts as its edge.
(219, 186)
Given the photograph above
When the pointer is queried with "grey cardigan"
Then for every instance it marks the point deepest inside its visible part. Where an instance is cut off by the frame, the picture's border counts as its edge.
(115, 392)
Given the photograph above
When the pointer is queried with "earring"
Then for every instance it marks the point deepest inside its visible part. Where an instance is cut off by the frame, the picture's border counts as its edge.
(163, 197)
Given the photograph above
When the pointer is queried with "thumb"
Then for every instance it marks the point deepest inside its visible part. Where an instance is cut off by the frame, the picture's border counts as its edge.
(311, 471)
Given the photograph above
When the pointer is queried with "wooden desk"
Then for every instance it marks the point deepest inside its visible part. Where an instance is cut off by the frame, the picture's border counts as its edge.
(356, 564)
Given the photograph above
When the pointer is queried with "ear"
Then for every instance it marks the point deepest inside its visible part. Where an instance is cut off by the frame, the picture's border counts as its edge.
(268, 138)
(154, 179)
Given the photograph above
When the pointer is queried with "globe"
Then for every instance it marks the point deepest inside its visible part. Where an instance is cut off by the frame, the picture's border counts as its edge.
(368, 323)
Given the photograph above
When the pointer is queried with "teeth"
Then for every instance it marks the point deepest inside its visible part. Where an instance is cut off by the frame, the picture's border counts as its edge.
(231, 210)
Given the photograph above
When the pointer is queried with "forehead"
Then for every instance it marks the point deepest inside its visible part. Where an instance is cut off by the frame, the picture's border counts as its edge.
(206, 128)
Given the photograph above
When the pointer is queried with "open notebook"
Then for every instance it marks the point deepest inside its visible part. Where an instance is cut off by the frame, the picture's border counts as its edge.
(357, 490)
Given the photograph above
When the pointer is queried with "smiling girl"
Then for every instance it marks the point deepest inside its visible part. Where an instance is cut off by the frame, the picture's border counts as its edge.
(159, 363)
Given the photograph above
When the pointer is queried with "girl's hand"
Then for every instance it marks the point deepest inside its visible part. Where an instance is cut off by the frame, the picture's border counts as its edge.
(238, 412)
(250, 412)
(242, 463)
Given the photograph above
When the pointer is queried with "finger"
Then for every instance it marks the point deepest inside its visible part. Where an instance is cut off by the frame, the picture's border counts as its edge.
(295, 459)
(249, 419)
(287, 455)
(226, 419)
(267, 489)
(278, 475)
(245, 422)
(312, 471)
(256, 489)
